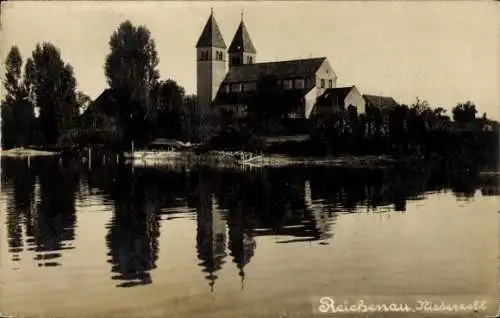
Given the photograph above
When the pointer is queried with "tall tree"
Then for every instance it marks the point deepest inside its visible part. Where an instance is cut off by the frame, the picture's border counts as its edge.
(13, 66)
(18, 119)
(189, 117)
(168, 100)
(132, 62)
(51, 85)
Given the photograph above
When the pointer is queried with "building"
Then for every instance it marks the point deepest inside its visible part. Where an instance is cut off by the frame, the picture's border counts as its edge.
(382, 103)
(302, 80)
(340, 98)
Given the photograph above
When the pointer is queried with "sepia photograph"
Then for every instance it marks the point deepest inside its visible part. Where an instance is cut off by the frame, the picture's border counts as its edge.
(249, 159)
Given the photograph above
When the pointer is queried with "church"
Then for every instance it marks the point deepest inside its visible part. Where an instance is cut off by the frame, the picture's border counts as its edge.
(226, 79)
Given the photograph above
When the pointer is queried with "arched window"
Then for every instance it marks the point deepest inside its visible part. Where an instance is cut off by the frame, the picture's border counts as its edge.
(330, 83)
(322, 83)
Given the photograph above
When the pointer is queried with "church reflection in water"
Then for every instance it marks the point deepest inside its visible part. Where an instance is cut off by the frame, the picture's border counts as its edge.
(232, 208)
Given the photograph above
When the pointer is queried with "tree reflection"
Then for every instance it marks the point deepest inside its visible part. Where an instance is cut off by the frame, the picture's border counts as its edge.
(53, 224)
(18, 176)
(48, 217)
(133, 231)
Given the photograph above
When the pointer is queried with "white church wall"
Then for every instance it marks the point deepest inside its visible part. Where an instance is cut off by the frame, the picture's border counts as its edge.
(355, 99)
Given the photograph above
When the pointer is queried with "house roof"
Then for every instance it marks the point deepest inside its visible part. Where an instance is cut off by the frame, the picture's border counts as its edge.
(241, 41)
(281, 69)
(380, 102)
(335, 95)
(211, 36)
(109, 101)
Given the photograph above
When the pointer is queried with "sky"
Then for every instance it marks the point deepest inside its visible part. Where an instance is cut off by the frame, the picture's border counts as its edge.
(444, 52)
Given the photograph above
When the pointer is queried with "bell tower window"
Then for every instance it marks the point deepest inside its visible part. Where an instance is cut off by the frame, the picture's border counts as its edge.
(236, 60)
(204, 55)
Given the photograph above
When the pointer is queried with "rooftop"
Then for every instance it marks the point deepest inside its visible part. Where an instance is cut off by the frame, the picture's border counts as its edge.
(280, 69)
(241, 41)
(211, 35)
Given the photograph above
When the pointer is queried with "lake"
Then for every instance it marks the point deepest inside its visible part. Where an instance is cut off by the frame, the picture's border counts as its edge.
(188, 241)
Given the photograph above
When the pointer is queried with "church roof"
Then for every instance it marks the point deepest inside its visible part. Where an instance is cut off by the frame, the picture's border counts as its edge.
(281, 69)
(211, 36)
(334, 95)
(380, 102)
(241, 41)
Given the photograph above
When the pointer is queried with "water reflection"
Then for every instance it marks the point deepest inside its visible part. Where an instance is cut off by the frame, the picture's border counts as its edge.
(49, 220)
(134, 229)
(210, 229)
(231, 208)
(20, 178)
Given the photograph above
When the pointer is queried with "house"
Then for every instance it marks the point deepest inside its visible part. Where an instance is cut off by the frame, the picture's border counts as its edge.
(103, 112)
(101, 119)
(340, 99)
(382, 103)
(219, 87)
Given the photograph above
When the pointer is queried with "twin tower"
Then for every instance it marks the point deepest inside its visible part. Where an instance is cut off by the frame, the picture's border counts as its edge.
(211, 59)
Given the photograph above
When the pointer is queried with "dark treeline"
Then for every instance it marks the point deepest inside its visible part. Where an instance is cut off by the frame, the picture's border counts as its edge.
(416, 129)
(461, 140)
(301, 206)
(42, 107)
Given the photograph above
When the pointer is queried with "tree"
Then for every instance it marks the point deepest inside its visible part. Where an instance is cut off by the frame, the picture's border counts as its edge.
(464, 113)
(19, 115)
(83, 101)
(268, 103)
(168, 100)
(132, 62)
(270, 96)
(420, 106)
(167, 96)
(50, 86)
(189, 117)
(398, 123)
(439, 111)
(13, 65)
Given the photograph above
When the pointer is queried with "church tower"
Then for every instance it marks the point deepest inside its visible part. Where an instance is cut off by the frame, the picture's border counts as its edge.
(210, 63)
(241, 51)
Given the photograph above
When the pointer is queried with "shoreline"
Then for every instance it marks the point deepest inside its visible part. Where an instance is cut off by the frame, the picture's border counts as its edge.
(244, 160)
(26, 152)
(249, 160)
